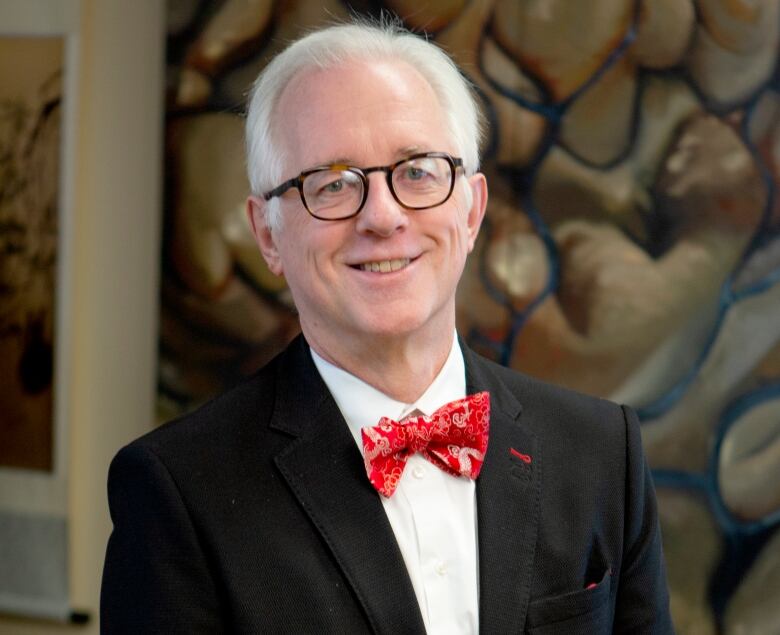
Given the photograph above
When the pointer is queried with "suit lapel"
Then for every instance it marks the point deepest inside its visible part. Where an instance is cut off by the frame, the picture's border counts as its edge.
(324, 469)
(508, 499)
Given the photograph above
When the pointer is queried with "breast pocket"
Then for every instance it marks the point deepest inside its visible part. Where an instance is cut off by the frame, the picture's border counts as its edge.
(581, 612)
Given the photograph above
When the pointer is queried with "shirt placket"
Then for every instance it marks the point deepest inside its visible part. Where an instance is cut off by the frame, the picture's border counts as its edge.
(438, 561)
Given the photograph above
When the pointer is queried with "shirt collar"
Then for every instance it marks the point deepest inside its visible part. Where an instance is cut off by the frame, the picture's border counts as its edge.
(363, 405)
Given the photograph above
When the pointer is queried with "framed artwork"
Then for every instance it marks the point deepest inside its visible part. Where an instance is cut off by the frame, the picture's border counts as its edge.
(38, 46)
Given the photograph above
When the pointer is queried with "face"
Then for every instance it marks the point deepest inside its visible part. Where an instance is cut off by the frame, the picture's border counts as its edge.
(368, 114)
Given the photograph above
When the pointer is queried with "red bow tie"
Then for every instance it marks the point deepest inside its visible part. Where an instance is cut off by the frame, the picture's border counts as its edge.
(454, 438)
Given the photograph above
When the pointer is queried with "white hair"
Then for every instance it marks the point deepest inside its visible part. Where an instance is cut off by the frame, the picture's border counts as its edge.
(336, 45)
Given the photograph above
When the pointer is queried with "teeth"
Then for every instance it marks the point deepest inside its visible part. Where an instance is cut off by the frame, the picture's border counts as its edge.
(385, 266)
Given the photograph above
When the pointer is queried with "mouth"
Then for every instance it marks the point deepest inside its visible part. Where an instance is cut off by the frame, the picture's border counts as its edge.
(384, 266)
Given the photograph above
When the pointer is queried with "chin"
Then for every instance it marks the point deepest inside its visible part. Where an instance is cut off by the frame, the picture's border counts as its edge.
(389, 323)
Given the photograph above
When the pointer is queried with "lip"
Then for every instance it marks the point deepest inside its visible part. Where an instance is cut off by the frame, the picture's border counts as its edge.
(383, 266)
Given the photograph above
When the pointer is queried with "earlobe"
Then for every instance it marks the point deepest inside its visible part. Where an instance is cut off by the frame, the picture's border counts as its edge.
(479, 197)
(255, 210)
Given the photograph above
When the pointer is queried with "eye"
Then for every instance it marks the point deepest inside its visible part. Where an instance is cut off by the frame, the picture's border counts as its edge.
(419, 173)
(328, 184)
(333, 187)
(414, 173)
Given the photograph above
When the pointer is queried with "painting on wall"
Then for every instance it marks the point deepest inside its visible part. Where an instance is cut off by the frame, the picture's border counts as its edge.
(30, 107)
(38, 46)
(631, 247)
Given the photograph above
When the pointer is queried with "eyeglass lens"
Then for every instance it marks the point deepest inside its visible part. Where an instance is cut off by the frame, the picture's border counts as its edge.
(417, 183)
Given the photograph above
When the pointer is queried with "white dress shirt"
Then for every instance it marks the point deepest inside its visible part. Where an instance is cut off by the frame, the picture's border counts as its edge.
(432, 513)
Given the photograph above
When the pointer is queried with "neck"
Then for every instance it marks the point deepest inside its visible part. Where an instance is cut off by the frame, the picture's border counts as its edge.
(400, 367)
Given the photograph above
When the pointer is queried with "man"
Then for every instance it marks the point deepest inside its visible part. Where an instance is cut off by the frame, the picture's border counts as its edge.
(280, 507)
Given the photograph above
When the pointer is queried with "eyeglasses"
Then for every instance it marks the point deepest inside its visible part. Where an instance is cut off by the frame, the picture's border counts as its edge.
(337, 192)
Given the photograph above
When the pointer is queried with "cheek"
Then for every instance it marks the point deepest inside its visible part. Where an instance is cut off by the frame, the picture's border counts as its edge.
(309, 253)
(461, 237)
(291, 257)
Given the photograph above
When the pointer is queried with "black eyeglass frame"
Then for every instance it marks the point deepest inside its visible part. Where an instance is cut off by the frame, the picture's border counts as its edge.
(362, 173)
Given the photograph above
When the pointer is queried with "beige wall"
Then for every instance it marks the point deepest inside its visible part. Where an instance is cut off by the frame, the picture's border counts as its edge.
(115, 252)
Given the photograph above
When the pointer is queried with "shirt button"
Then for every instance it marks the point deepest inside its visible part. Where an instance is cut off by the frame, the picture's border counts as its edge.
(418, 471)
(441, 568)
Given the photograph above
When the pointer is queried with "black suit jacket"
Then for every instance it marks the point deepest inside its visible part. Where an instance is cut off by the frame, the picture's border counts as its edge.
(254, 515)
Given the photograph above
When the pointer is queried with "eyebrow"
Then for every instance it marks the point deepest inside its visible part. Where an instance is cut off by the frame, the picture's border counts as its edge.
(400, 154)
(409, 150)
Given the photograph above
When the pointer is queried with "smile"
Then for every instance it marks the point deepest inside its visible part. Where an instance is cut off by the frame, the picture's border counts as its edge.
(385, 266)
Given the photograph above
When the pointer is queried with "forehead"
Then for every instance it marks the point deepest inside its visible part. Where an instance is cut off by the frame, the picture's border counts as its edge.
(360, 112)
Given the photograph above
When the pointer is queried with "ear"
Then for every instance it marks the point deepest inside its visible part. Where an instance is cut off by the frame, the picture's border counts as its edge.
(256, 209)
(479, 197)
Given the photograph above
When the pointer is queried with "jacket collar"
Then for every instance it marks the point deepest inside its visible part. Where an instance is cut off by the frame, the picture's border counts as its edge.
(324, 469)
(508, 500)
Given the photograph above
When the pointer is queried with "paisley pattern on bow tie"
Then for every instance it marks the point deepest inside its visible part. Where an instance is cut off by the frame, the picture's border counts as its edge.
(454, 438)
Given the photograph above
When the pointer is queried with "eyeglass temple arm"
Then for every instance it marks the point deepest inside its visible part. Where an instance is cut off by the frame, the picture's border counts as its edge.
(281, 189)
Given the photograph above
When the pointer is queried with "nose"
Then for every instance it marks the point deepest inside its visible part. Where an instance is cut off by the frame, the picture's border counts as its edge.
(381, 215)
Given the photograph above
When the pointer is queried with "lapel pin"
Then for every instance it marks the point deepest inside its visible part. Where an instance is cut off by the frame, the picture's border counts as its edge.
(525, 458)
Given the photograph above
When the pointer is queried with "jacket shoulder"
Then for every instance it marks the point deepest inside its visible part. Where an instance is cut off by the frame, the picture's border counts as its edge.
(533, 391)
(557, 412)
(225, 420)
